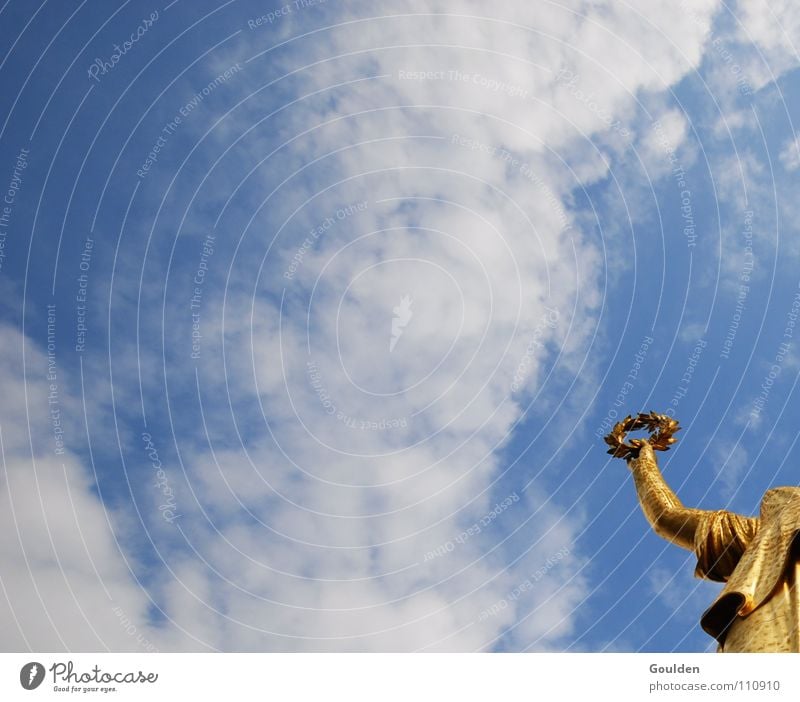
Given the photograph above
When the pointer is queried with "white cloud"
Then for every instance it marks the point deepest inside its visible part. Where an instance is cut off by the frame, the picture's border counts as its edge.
(769, 33)
(731, 466)
(65, 584)
(658, 146)
(481, 239)
(790, 155)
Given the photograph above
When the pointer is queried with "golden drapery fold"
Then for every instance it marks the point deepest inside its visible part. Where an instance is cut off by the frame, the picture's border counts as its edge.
(759, 561)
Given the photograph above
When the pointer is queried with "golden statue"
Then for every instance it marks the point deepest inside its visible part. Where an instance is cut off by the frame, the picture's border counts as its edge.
(758, 558)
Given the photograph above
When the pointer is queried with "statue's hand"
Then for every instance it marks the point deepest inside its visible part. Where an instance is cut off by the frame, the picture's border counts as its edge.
(646, 452)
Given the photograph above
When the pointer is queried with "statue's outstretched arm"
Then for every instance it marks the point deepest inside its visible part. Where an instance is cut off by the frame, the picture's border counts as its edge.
(665, 512)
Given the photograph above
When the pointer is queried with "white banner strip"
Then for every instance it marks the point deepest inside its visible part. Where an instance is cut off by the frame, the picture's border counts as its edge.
(399, 677)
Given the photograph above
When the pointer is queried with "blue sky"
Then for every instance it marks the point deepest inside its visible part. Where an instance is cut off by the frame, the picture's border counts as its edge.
(344, 296)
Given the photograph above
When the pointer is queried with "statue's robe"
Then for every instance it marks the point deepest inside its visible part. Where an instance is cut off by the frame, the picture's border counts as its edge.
(758, 559)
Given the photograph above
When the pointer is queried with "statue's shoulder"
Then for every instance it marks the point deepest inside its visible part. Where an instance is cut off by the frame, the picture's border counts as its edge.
(780, 498)
(783, 492)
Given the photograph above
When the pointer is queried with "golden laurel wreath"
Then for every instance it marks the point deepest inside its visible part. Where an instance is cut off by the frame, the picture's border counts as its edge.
(660, 426)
